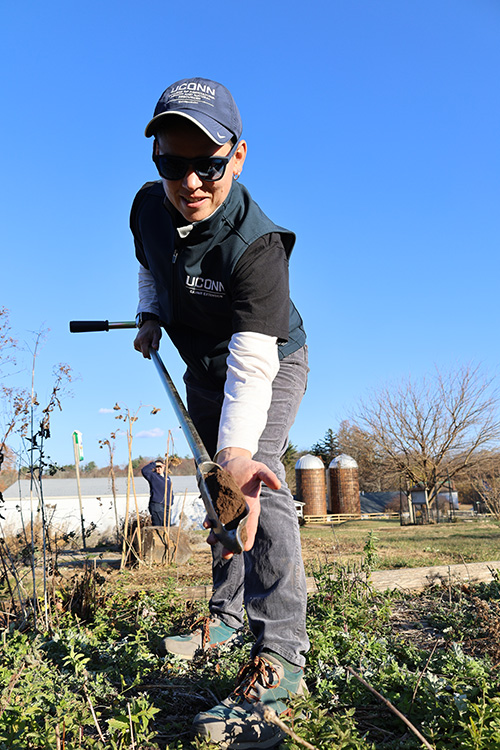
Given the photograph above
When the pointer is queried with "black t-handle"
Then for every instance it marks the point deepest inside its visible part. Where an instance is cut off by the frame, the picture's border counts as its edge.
(90, 326)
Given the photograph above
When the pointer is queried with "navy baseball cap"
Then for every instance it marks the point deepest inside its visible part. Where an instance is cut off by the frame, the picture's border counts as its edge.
(206, 103)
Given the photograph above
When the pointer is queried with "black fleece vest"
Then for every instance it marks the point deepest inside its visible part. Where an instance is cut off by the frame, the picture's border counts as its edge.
(193, 275)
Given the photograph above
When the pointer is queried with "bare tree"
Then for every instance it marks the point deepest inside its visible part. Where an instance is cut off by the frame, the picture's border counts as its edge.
(14, 401)
(489, 492)
(361, 445)
(486, 482)
(431, 430)
(8, 345)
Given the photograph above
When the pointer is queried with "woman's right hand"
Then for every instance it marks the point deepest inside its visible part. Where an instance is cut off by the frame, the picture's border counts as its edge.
(149, 335)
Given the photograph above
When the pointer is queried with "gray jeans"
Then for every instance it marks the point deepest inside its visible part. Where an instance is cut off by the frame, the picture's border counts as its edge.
(269, 580)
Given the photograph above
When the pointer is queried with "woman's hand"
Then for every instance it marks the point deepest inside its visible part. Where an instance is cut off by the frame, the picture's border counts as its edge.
(249, 475)
(149, 335)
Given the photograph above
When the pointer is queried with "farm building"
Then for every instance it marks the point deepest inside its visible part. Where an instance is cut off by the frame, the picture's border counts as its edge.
(63, 506)
(378, 502)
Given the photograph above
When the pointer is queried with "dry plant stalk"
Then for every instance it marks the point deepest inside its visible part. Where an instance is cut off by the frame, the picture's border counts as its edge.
(392, 708)
(166, 521)
(129, 550)
(94, 716)
(270, 715)
(179, 529)
(131, 727)
(438, 643)
(125, 527)
(131, 480)
(128, 417)
(110, 442)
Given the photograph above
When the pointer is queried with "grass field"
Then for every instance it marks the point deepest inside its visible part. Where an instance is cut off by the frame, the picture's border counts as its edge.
(404, 546)
(395, 547)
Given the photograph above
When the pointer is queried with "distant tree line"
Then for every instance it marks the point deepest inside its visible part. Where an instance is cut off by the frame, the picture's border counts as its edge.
(177, 467)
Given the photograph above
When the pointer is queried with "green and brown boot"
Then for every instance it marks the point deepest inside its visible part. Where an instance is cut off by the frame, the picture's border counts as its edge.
(266, 681)
(207, 632)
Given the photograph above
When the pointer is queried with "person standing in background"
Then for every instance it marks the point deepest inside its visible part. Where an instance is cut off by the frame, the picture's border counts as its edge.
(160, 500)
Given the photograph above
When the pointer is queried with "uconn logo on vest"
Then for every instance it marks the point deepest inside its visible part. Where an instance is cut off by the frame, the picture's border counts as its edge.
(205, 287)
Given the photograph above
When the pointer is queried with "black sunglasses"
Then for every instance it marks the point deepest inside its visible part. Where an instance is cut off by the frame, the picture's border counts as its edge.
(208, 168)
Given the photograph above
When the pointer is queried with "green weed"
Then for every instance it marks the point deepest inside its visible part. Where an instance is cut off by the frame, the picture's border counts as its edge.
(96, 680)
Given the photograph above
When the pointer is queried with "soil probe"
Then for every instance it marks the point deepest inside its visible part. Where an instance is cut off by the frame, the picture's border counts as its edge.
(231, 533)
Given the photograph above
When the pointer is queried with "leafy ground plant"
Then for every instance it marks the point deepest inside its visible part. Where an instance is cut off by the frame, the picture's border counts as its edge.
(96, 680)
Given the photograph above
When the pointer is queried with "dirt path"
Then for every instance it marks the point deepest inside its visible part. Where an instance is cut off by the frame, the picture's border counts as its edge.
(404, 579)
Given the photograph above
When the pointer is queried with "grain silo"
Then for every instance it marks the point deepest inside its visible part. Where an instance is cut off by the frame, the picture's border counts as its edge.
(311, 485)
(344, 485)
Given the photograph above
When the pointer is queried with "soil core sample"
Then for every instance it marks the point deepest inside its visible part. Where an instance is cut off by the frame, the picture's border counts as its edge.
(227, 498)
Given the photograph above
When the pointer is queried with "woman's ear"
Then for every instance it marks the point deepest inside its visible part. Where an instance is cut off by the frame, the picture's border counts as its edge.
(239, 157)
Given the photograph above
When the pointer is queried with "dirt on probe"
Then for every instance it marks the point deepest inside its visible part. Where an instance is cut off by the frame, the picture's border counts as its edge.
(227, 498)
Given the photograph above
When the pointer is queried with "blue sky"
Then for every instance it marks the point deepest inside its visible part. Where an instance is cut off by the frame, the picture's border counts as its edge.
(373, 133)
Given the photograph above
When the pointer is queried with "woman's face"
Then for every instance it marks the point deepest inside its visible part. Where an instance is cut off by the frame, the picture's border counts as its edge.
(194, 198)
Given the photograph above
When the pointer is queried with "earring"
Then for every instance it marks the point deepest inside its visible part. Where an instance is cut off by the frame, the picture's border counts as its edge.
(236, 175)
